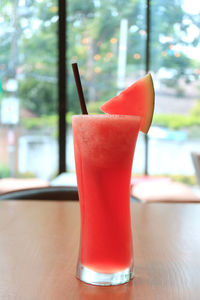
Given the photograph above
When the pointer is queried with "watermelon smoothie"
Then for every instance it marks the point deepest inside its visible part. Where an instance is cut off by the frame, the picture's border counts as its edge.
(104, 147)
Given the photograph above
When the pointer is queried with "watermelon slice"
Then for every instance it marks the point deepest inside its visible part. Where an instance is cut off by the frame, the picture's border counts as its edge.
(137, 100)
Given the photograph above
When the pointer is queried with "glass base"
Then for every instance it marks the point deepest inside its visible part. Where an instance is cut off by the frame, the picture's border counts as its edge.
(105, 279)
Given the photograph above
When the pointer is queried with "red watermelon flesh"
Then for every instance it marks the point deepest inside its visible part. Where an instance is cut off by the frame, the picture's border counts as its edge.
(137, 100)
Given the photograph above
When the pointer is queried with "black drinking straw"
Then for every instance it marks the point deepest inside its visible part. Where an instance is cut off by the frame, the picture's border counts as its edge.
(79, 89)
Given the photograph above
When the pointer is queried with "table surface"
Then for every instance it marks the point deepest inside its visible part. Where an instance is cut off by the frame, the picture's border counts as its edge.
(39, 248)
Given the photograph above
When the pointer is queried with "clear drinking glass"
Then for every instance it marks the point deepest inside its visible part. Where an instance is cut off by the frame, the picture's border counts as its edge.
(104, 147)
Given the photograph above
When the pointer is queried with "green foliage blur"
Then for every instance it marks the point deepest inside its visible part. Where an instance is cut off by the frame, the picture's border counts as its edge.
(29, 52)
(4, 171)
(178, 121)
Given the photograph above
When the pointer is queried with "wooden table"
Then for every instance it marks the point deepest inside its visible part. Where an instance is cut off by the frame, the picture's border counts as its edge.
(39, 247)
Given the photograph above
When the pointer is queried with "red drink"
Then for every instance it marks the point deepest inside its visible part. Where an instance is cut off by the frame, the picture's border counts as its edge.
(104, 146)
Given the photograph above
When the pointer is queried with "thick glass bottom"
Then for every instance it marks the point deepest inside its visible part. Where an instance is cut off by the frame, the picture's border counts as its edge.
(105, 279)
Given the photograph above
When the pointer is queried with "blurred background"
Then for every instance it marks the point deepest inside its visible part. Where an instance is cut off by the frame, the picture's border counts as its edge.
(115, 42)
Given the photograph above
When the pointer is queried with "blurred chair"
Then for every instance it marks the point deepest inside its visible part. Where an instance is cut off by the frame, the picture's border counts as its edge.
(134, 199)
(153, 190)
(59, 193)
(196, 164)
(14, 184)
(51, 193)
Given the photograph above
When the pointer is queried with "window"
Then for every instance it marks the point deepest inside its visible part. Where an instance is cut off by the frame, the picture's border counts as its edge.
(175, 65)
(108, 39)
(28, 74)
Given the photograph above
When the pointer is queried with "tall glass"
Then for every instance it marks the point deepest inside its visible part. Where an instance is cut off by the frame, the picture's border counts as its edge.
(104, 147)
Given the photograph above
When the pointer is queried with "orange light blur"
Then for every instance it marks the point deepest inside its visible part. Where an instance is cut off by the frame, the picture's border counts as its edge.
(176, 54)
(97, 70)
(136, 56)
(85, 41)
(97, 57)
(171, 46)
(109, 55)
(196, 71)
(113, 40)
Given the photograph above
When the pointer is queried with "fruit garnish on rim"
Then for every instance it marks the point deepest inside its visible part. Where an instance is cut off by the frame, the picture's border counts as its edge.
(137, 100)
